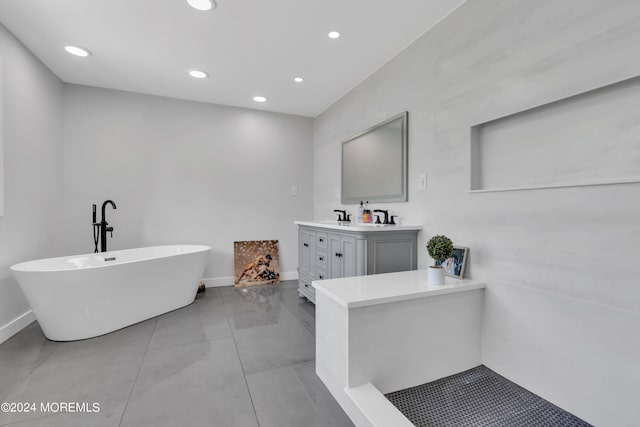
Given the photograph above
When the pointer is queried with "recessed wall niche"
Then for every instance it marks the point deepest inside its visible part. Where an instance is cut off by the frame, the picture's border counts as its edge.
(592, 138)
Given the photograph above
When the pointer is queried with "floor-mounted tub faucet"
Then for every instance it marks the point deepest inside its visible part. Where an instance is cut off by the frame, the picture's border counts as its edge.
(103, 226)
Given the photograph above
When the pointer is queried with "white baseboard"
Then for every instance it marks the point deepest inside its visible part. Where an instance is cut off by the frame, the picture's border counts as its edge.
(214, 282)
(16, 325)
(289, 275)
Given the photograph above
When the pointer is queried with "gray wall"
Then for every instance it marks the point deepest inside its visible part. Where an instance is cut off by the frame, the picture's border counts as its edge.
(184, 172)
(32, 140)
(562, 303)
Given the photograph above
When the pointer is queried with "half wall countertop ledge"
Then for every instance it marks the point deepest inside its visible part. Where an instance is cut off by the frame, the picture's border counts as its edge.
(363, 291)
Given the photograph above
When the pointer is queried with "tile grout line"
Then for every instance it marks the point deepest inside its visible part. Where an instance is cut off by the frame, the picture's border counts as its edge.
(313, 334)
(26, 420)
(205, 340)
(26, 377)
(133, 385)
(298, 379)
(235, 345)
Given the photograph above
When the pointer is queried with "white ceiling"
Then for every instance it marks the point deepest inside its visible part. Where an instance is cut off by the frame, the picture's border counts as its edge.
(249, 47)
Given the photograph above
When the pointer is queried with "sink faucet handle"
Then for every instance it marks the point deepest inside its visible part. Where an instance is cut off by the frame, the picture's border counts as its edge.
(386, 215)
(391, 221)
(342, 215)
(378, 219)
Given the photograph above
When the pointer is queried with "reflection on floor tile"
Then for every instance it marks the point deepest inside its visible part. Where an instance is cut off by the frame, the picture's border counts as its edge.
(279, 340)
(249, 307)
(304, 311)
(200, 365)
(294, 396)
(199, 384)
(203, 320)
(108, 416)
(20, 356)
(99, 370)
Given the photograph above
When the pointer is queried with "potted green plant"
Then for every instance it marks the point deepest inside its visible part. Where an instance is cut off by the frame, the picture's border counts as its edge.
(440, 248)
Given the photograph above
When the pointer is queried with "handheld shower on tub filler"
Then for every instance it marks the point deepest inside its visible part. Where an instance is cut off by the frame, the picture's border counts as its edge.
(100, 229)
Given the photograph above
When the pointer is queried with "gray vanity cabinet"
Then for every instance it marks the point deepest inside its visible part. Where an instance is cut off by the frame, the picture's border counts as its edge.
(336, 252)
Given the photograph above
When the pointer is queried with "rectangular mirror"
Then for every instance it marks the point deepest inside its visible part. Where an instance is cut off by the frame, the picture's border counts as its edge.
(374, 163)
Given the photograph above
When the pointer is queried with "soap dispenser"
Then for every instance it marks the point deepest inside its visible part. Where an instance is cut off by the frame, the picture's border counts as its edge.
(366, 214)
(360, 214)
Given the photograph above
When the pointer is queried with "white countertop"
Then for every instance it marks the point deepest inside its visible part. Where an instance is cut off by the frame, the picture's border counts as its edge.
(362, 291)
(357, 227)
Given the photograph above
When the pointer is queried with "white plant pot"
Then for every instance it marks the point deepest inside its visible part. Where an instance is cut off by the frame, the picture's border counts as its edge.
(435, 276)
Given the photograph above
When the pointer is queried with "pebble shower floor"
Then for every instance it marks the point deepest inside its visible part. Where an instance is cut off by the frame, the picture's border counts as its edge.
(479, 397)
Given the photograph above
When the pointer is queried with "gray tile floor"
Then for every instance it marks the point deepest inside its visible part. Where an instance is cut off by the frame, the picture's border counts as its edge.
(232, 358)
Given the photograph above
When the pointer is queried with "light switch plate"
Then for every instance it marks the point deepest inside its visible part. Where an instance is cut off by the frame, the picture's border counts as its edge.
(422, 182)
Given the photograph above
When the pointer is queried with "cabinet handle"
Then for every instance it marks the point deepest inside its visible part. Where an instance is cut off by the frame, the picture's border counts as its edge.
(306, 245)
(321, 240)
(321, 258)
(321, 277)
(338, 254)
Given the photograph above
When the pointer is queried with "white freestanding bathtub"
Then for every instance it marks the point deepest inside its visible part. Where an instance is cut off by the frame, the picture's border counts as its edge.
(83, 296)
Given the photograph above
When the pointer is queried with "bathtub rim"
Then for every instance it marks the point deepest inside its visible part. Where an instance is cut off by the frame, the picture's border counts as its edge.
(28, 266)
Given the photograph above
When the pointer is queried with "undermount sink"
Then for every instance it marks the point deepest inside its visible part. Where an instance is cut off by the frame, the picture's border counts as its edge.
(354, 224)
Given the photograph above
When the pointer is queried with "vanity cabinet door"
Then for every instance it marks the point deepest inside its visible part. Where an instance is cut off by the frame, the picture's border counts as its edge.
(342, 256)
(348, 257)
(307, 253)
(335, 263)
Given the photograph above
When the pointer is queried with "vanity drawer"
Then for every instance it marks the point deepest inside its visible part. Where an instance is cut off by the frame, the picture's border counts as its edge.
(321, 259)
(321, 240)
(321, 275)
(305, 289)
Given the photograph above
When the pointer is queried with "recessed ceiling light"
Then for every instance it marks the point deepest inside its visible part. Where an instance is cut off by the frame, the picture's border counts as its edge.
(298, 80)
(334, 35)
(202, 4)
(198, 74)
(260, 99)
(77, 51)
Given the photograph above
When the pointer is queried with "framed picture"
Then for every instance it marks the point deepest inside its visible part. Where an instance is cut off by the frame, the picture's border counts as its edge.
(256, 262)
(454, 266)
